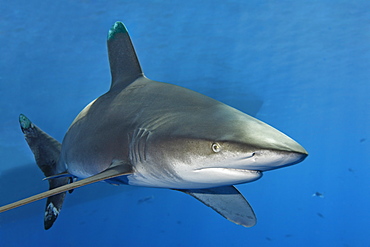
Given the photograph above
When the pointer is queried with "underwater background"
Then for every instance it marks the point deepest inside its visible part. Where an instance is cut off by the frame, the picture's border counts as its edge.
(304, 65)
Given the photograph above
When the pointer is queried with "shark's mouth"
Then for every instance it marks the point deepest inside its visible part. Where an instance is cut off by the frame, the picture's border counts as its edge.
(266, 160)
(227, 175)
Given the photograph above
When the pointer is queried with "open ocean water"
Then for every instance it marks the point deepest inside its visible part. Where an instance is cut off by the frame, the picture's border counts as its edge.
(306, 62)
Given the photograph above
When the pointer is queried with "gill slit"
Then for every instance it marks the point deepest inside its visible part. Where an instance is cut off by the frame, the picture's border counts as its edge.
(138, 145)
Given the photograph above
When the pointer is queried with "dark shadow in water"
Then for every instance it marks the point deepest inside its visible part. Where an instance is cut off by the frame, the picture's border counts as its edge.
(25, 181)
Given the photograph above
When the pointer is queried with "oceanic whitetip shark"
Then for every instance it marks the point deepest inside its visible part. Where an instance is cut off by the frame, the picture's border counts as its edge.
(153, 134)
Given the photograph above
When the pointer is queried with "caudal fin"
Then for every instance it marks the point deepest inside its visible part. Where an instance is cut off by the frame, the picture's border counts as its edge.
(46, 151)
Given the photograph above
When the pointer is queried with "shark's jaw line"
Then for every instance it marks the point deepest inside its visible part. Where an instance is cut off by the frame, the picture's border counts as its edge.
(197, 179)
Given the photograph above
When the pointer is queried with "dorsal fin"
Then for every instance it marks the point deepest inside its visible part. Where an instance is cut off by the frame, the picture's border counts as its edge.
(124, 65)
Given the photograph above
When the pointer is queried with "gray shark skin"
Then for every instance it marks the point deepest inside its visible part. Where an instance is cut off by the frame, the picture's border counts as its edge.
(153, 134)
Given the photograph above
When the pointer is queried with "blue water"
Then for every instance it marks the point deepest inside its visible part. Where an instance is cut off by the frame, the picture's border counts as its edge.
(308, 62)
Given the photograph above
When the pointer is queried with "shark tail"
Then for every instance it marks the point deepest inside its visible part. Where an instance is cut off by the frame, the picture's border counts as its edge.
(46, 151)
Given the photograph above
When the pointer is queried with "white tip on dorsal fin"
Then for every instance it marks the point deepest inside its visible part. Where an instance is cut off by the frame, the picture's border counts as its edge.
(124, 65)
(113, 171)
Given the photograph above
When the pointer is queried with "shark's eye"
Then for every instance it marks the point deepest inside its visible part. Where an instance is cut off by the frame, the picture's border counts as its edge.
(216, 147)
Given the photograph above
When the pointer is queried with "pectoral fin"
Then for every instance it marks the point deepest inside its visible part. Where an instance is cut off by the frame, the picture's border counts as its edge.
(114, 171)
(228, 202)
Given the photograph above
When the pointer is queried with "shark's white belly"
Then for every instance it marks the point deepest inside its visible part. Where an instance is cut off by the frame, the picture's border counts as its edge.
(194, 179)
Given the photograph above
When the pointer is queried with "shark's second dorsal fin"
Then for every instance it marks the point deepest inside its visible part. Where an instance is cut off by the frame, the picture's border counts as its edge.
(124, 65)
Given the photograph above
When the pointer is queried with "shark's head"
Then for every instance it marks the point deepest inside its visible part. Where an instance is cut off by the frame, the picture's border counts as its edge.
(220, 146)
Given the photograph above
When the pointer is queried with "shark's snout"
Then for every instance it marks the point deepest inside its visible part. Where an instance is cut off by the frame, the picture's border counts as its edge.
(299, 158)
(271, 149)
(266, 160)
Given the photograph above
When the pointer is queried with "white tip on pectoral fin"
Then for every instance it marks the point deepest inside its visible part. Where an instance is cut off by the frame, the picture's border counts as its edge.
(228, 202)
